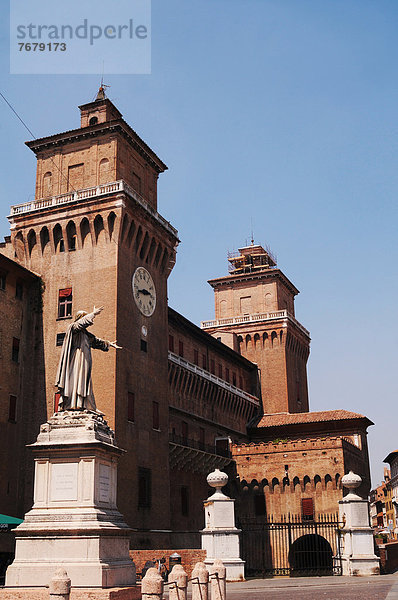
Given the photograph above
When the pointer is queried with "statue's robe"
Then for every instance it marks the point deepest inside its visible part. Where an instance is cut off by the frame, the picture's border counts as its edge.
(74, 369)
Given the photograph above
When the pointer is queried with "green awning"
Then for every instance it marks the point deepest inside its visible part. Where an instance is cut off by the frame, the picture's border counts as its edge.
(7, 523)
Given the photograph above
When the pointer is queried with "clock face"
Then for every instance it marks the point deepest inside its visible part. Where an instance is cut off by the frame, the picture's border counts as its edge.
(144, 291)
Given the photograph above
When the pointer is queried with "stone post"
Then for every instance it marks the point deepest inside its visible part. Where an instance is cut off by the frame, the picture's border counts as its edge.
(218, 581)
(220, 537)
(200, 582)
(60, 585)
(179, 578)
(152, 585)
(358, 557)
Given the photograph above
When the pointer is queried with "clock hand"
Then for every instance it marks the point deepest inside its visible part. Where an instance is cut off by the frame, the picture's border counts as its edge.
(145, 292)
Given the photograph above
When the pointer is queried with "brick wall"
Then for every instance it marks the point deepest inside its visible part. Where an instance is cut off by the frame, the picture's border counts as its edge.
(189, 557)
(388, 557)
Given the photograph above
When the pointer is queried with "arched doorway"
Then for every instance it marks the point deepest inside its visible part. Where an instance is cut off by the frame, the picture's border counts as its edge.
(311, 554)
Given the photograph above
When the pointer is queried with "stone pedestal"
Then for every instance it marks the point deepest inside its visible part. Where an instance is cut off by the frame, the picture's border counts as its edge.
(74, 522)
(220, 537)
(358, 557)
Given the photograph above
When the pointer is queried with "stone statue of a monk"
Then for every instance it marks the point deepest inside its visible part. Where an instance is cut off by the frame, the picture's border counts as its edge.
(74, 369)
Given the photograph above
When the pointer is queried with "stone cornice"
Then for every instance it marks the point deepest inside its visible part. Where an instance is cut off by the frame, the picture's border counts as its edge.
(118, 126)
(257, 275)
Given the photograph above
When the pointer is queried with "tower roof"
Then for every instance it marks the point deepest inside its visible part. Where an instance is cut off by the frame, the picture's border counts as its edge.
(250, 259)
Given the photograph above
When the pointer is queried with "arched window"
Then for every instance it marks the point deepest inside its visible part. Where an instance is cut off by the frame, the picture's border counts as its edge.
(71, 236)
(44, 238)
(85, 231)
(31, 241)
(93, 121)
(47, 184)
(98, 227)
(144, 245)
(58, 239)
(103, 172)
(111, 223)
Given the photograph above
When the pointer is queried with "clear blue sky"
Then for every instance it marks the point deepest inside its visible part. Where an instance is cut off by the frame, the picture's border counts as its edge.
(279, 112)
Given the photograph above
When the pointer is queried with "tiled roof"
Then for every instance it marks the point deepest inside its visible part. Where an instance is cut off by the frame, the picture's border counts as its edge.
(280, 419)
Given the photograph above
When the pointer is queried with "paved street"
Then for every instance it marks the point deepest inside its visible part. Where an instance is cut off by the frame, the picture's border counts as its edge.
(382, 587)
(324, 588)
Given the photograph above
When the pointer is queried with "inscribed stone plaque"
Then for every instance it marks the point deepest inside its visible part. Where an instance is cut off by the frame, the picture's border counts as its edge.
(104, 483)
(63, 481)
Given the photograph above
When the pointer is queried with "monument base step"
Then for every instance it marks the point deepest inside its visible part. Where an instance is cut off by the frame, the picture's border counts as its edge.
(29, 593)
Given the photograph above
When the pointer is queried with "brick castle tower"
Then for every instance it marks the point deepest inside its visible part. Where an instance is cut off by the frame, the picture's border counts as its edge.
(95, 237)
(254, 314)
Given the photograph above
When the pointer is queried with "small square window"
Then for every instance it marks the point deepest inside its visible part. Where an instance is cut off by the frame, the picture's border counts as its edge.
(64, 303)
(15, 350)
(307, 506)
(19, 290)
(144, 346)
(60, 339)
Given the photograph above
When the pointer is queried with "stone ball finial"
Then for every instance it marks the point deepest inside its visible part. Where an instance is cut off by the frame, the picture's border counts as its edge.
(217, 479)
(351, 481)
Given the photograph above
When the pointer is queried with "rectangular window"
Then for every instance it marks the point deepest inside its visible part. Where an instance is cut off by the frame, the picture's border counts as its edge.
(234, 379)
(201, 438)
(220, 370)
(222, 447)
(184, 431)
(259, 505)
(307, 507)
(212, 366)
(196, 357)
(144, 346)
(15, 350)
(12, 409)
(57, 396)
(240, 382)
(60, 339)
(184, 501)
(75, 177)
(171, 343)
(181, 348)
(136, 181)
(19, 290)
(204, 361)
(3, 277)
(144, 487)
(64, 303)
(130, 406)
(155, 415)
(227, 375)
